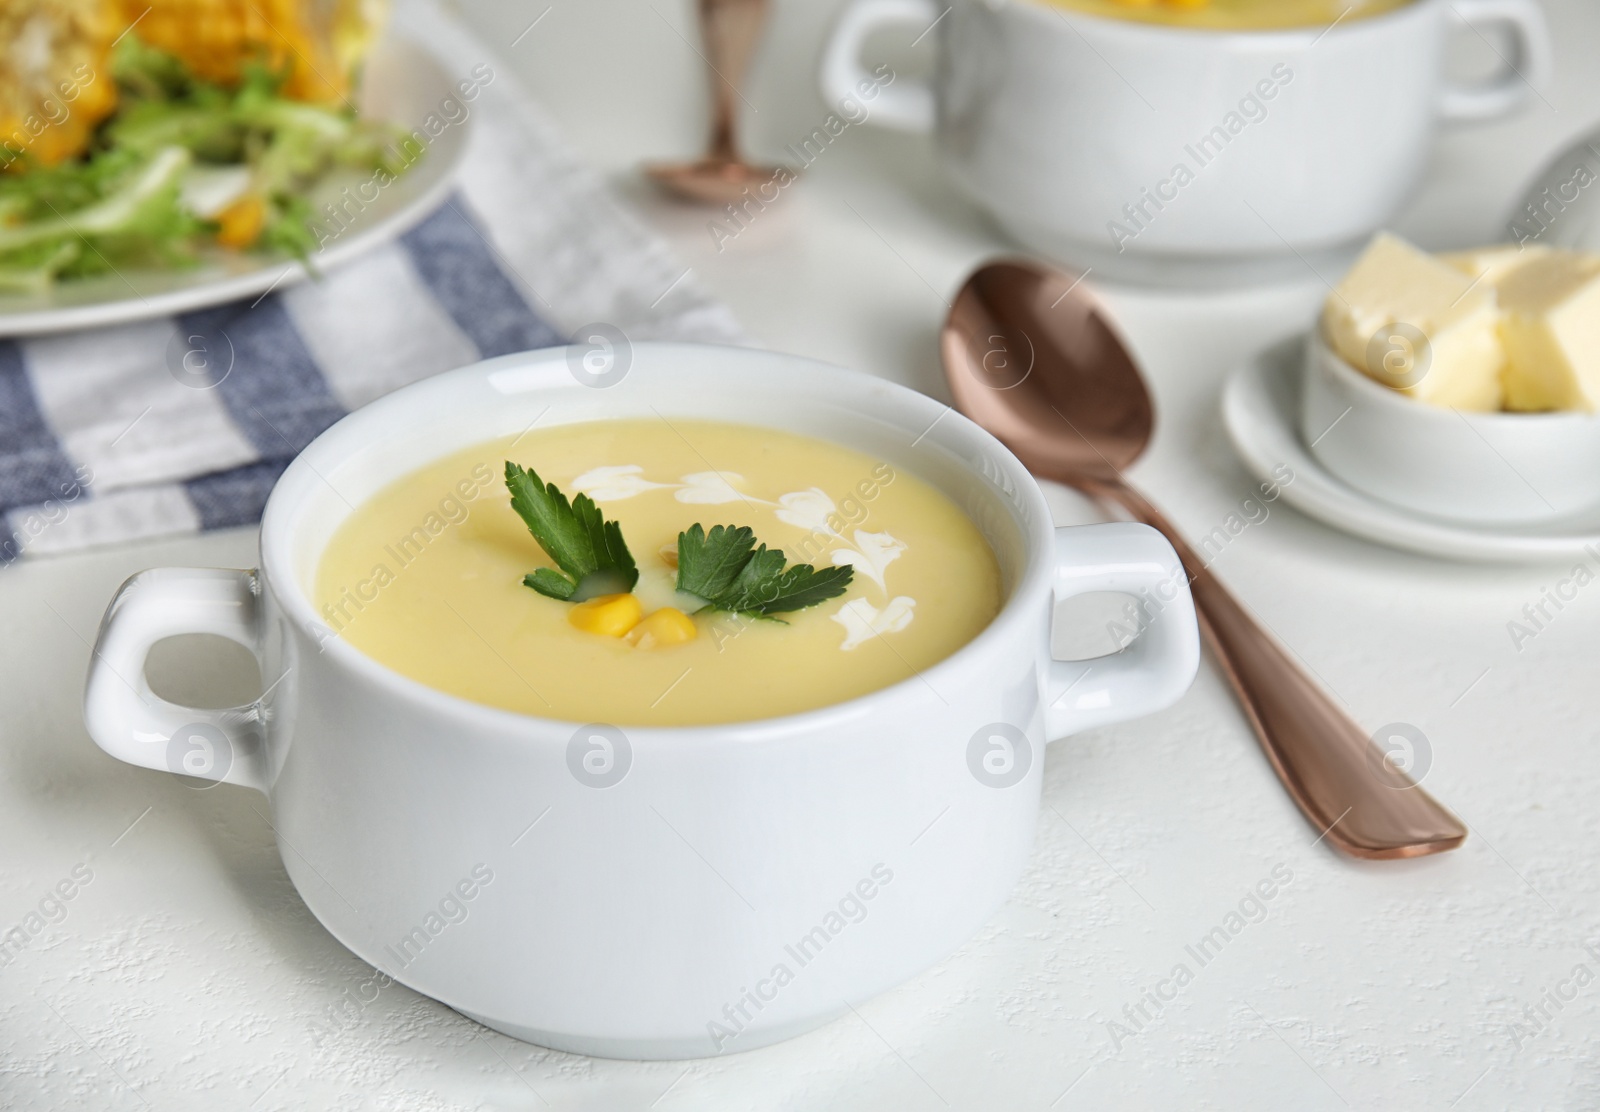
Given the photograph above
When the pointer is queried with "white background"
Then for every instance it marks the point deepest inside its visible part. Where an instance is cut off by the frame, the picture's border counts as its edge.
(188, 974)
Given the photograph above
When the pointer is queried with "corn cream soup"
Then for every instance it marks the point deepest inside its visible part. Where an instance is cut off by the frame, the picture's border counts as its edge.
(427, 576)
(1235, 15)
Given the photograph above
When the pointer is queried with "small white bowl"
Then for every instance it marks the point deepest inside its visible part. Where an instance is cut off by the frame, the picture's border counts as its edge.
(1500, 468)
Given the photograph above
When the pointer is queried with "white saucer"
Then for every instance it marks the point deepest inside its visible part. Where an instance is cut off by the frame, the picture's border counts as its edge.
(1259, 407)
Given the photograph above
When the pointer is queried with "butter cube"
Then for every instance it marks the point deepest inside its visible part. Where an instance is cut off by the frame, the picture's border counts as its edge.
(1396, 286)
(1550, 327)
(1494, 264)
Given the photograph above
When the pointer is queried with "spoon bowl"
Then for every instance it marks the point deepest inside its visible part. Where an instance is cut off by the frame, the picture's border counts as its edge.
(712, 181)
(730, 29)
(1559, 209)
(1045, 372)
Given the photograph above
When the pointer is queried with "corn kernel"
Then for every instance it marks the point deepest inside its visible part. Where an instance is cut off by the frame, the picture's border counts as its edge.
(319, 42)
(239, 225)
(608, 615)
(669, 554)
(667, 626)
(55, 83)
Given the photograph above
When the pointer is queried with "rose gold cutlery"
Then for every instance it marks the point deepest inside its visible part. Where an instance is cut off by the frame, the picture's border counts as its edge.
(730, 29)
(1032, 357)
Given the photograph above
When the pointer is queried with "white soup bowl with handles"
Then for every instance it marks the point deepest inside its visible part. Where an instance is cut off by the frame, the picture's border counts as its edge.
(648, 892)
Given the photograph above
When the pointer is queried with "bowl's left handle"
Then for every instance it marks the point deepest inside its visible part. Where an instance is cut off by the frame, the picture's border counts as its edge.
(134, 724)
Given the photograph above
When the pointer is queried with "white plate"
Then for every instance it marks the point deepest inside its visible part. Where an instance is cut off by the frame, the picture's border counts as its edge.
(403, 85)
(1259, 407)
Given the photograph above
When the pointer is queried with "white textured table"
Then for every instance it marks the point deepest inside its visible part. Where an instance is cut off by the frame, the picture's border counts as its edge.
(187, 974)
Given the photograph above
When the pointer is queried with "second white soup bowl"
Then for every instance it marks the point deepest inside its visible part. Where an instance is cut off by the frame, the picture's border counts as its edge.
(653, 892)
(1177, 155)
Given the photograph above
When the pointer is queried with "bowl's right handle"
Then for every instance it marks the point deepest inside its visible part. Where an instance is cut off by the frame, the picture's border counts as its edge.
(1159, 665)
(908, 106)
(1525, 71)
(134, 724)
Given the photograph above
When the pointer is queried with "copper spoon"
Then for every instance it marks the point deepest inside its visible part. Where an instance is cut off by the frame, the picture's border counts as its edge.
(730, 29)
(1032, 357)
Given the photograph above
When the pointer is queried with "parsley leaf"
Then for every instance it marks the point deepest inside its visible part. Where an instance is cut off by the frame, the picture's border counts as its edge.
(588, 549)
(708, 564)
(725, 568)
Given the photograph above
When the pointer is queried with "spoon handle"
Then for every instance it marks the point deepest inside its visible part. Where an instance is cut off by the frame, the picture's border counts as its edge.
(731, 29)
(1334, 771)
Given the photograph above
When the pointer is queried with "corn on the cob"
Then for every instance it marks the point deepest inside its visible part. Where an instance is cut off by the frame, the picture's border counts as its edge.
(55, 79)
(319, 42)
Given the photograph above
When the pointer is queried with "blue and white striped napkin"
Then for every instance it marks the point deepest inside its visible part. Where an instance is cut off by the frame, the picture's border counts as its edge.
(100, 442)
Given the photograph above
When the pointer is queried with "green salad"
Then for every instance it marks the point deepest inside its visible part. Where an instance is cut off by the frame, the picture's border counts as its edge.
(181, 166)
